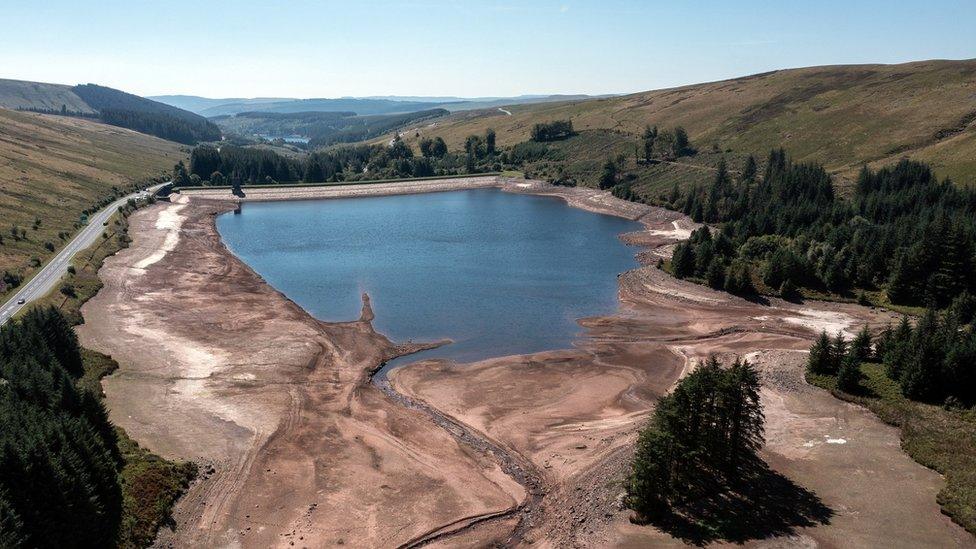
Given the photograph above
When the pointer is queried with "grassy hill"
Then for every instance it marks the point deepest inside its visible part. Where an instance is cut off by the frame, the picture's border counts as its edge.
(18, 94)
(110, 106)
(52, 168)
(841, 116)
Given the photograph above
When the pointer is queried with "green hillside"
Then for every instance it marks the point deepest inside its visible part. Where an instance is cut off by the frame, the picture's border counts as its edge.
(110, 106)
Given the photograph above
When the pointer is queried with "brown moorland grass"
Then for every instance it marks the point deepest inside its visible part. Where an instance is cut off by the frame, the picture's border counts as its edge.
(53, 168)
(840, 116)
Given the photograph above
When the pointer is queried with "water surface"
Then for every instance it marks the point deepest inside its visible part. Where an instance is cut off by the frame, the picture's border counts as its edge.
(497, 273)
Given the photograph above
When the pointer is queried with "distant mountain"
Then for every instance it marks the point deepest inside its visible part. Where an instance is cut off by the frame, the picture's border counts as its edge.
(358, 106)
(197, 104)
(110, 106)
(391, 104)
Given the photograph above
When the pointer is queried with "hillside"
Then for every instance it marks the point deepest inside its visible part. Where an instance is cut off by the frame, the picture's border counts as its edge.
(110, 106)
(21, 95)
(52, 168)
(841, 116)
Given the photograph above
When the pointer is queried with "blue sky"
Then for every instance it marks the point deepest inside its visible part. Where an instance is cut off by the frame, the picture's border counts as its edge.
(306, 48)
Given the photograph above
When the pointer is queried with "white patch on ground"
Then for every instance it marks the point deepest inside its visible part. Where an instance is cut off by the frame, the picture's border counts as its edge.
(818, 321)
(196, 365)
(523, 185)
(678, 293)
(753, 356)
(169, 220)
(836, 441)
(677, 233)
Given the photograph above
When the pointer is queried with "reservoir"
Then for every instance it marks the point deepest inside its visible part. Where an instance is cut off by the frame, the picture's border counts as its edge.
(497, 273)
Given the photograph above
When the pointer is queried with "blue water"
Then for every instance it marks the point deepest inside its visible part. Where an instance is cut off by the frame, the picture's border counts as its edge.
(497, 273)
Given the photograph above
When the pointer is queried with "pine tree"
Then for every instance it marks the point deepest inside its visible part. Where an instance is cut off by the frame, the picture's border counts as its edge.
(742, 413)
(490, 142)
(738, 279)
(860, 350)
(921, 379)
(749, 169)
(958, 371)
(821, 360)
(683, 261)
(849, 375)
(900, 284)
(609, 176)
(884, 343)
(715, 274)
(838, 350)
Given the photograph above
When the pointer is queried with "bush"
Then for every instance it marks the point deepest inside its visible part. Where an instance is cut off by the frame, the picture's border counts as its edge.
(552, 131)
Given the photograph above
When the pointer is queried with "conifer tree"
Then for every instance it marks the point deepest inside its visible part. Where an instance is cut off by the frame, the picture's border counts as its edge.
(860, 349)
(838, 350)
(697, 437)
(683, 261)
(821, 360)
(715, 274)
(849, 375)
(921, 377)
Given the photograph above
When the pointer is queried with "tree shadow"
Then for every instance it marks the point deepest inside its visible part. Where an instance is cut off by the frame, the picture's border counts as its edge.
(760, 504)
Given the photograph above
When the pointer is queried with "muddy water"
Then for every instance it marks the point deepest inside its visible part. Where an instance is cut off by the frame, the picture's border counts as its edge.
(496, 273)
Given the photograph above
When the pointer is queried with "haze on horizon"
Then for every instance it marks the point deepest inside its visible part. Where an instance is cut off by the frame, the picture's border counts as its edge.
(439, 47)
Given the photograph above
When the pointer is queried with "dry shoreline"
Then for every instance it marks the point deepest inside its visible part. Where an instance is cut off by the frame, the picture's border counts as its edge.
(219, 367)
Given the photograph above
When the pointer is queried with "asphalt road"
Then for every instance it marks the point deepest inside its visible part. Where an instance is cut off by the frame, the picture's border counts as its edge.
(44, 281)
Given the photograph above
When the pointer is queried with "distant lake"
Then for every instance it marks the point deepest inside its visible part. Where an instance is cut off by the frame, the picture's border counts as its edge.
(286, 138)
(496, 272)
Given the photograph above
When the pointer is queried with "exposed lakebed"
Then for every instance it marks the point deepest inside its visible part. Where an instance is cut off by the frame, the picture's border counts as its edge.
(497, 273)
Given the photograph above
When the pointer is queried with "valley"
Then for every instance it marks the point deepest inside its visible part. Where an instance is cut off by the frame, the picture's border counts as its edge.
(280, 405)
(574, 274)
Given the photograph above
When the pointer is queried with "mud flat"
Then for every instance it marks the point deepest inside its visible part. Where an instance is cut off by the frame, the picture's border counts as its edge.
(218, 367)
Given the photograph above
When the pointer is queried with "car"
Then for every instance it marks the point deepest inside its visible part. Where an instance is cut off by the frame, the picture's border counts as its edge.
(21, 301)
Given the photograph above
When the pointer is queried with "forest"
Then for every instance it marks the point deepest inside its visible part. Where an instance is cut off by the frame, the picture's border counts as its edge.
(59, 456)
(230, 165)
(901, 230)
(931, 361)
(136, 113)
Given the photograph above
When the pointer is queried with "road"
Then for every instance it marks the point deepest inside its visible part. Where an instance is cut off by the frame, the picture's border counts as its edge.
(49, 275)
